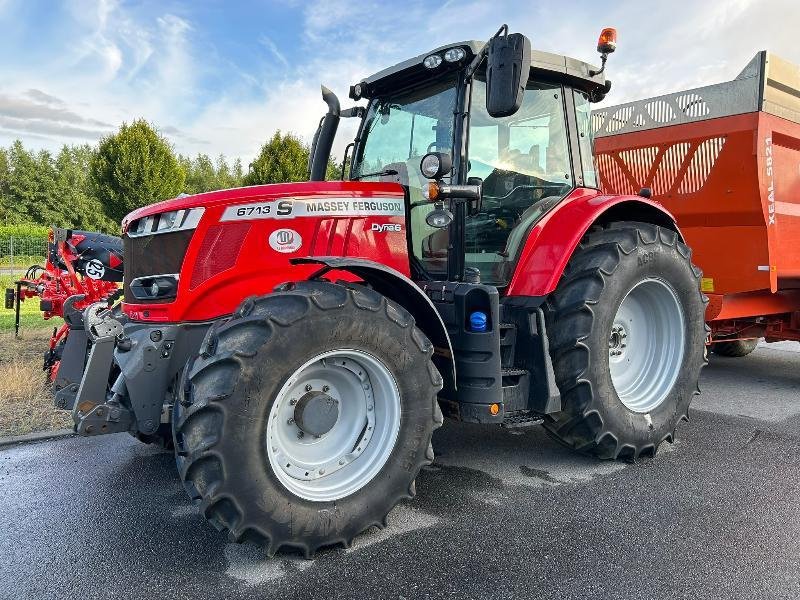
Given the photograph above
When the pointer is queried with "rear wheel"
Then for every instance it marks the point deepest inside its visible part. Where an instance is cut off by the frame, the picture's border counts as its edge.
(734, 348)
(627, 340)
(307, 416)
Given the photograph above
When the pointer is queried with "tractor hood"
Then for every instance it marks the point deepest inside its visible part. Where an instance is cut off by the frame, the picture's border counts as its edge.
(194, 258)
(306, 189)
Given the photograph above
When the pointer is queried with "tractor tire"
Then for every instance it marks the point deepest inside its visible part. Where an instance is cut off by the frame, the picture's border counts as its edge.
(627, 340)
(260, 442)
(734, 348)
(162, 438)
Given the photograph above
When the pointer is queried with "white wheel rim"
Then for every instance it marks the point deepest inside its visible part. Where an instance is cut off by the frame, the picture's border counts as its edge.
(348, 456)
(646, 345)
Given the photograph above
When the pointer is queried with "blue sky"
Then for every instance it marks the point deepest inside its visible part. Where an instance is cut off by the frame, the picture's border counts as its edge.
(218, 76)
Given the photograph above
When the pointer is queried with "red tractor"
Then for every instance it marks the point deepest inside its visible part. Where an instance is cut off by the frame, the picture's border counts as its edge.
(302, 340)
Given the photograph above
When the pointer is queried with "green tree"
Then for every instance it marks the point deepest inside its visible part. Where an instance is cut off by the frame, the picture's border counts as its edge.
(83, 209)
(133, 168)
(204, 174)
(31, 189)
(283, 158)
(4, 195)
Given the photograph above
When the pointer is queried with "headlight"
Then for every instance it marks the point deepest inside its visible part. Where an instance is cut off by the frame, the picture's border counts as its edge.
(435, 165)
(174, 220)
(155, 287)
(432, 61)
(430, 166)
(166, 220)
(454, 54)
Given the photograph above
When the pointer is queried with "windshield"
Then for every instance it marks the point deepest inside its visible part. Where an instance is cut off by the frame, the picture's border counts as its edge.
(398, 131)
(524, 163)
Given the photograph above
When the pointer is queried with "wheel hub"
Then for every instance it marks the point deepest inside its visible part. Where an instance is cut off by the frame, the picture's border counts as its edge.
(617, 341)
(316, 413)
(646, 345)
(333, 425)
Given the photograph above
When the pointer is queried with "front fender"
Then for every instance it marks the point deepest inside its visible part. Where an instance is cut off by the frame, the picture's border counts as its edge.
(400, 289)
(552, 241)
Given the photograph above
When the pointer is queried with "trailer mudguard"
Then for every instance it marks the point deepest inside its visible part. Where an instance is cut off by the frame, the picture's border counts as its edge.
(399, 288)
(554, 238)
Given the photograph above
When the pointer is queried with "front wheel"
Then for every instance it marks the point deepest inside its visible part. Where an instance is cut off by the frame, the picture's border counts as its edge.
(307, 416)
(627, 339)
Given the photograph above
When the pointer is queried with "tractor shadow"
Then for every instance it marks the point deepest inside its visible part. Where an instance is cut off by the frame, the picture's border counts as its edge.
(489, 464)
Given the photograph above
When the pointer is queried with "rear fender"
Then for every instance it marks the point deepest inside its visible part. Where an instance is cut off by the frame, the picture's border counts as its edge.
(399, 288)
(553, 240)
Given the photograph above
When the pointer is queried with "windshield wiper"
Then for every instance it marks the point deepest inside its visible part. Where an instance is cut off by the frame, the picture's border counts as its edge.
(375, 174)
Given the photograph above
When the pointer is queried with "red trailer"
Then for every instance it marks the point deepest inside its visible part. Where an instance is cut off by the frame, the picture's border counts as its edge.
(725, 160)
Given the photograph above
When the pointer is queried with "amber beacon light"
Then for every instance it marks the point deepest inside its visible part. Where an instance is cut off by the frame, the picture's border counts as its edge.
(607, 42)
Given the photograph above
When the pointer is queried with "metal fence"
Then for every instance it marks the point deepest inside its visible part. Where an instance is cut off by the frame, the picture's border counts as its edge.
(17, 254)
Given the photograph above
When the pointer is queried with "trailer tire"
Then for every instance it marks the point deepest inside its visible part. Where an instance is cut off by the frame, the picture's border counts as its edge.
(734, 348)
(231, 422)
(616, 276)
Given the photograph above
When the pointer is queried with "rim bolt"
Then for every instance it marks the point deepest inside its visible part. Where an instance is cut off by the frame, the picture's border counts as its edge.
(369, 407)
(290, 422)
(293, 401)
(300, 434)
(341, 462)
(322, 471)
(325, 388)
(308, 387)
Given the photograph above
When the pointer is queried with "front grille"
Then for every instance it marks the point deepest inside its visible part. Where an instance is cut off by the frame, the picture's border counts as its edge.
(154, 255)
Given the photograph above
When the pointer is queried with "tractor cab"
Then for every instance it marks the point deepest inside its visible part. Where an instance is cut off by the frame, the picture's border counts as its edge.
(512, 123)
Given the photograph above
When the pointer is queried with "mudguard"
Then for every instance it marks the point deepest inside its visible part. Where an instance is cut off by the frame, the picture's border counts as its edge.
(396, 286)
(552, 240)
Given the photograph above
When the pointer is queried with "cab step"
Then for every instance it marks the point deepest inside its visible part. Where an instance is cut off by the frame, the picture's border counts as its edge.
(508, 342)
(516, 386)
(522, 419)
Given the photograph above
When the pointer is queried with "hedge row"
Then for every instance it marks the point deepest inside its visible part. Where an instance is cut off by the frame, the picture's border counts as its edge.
(24, 231)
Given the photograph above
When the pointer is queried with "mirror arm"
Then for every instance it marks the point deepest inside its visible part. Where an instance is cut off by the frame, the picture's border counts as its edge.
(355, 111)
(476, 62)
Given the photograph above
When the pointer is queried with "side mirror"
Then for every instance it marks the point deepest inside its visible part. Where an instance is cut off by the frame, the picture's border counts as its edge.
(508, 63)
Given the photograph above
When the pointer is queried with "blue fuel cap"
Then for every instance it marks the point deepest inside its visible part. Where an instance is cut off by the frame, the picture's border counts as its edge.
(477, 321)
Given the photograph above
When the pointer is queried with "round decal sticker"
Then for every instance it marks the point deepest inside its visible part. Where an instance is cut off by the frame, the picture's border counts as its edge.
(285, 240)
(95, 269)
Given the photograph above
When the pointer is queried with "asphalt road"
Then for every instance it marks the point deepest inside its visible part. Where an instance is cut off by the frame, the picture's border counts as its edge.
(499, 515)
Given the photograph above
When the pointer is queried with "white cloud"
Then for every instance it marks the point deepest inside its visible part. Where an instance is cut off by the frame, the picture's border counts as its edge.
(124, 65)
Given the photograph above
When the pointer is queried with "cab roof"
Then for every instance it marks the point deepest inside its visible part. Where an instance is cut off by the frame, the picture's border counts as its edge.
(552, 66)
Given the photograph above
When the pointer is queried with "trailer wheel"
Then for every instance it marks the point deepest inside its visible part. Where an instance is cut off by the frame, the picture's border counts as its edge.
(307, 416)
(627, 339)
(734, 348)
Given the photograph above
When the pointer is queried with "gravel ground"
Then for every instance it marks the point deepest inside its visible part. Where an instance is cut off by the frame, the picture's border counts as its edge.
(499, 514)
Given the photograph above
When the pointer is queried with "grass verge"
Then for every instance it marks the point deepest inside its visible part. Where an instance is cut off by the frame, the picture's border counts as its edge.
(21, 263)
(30, 316)
(25, 401)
